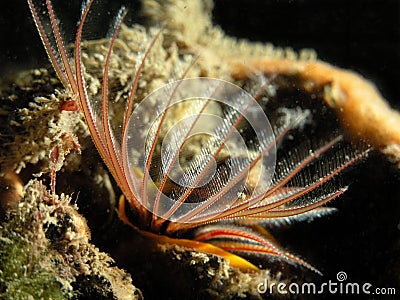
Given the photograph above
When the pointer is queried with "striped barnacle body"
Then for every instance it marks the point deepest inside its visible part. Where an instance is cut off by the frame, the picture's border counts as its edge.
(198, 155)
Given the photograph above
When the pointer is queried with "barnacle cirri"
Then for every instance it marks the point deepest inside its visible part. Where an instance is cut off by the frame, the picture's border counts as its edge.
(212, 166)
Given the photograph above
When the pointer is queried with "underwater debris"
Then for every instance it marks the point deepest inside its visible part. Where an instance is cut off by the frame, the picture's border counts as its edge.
(35, 121)
(46, 254)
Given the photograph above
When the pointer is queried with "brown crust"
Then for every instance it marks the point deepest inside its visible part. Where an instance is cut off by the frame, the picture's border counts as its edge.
(360, 107)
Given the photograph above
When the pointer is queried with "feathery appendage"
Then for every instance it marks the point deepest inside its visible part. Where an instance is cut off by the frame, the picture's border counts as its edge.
(242, 191)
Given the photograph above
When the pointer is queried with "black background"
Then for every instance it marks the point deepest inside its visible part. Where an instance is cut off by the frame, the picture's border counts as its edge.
(360, 35)
(363, 35)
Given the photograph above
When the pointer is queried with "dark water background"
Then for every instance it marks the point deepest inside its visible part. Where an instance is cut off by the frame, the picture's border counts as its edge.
(363, 35)
(363, 238)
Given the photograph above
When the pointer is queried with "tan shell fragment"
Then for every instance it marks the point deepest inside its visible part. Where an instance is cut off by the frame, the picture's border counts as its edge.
(359, 105)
